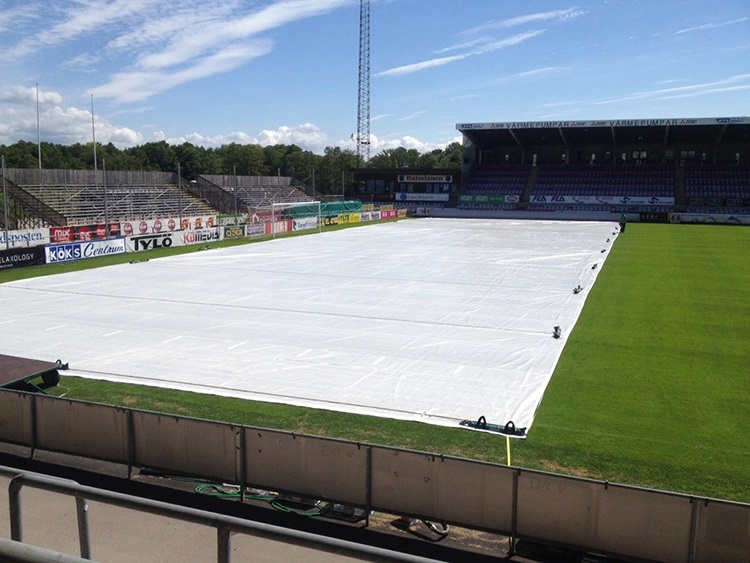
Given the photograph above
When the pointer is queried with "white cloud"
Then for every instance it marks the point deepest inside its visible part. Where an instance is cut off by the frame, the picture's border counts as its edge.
(709, 26)
(202, 45)
(73, 125)
(415, 115)
(417, 67)
(163, 45)
(482, 47)
(83, 62)
(378, 145)
(560, 15)
(12, 17)
(26, 95)
(140, 85)
(212, 141)
(739, 82)
(306, 135)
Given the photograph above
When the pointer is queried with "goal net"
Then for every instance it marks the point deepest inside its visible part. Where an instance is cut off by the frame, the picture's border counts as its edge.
(296, 216)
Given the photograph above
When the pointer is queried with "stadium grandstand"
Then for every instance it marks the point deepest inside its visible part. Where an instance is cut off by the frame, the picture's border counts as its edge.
(84, 197)
(252, 192)
(649, 169)
(49, 198)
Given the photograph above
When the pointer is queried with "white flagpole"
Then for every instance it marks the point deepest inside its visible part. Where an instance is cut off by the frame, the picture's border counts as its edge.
(5, 205)
(93, 129)
(38, 130)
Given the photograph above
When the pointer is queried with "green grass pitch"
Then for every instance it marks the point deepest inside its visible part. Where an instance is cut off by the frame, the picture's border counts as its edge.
(653, 386)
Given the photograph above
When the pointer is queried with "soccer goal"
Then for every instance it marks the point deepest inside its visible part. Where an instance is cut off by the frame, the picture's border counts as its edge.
(295, 216)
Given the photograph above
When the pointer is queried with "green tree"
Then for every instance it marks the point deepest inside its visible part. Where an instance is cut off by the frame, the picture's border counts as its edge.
(452, 157)
(160, 156)
(334, 168)
(395, 158)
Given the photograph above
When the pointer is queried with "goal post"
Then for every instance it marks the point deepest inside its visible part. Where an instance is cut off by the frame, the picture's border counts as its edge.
(295, 216)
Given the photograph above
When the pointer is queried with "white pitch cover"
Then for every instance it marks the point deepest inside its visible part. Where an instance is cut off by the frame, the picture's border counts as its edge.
(434, 320)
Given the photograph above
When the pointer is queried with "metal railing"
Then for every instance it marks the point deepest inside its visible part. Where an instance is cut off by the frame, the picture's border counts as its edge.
(225, 526)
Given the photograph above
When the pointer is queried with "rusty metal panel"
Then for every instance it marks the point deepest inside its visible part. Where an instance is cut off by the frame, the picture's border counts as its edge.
(81, 428)
(319, 468)
(15, 418)
(189, 446)
(473, 494)
(613, 519)
(723, 532)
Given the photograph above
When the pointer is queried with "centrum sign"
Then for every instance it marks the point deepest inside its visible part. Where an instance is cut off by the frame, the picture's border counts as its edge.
(82, 250)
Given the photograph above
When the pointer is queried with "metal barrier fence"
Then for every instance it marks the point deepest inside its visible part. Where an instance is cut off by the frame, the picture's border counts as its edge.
(590, 515)
(224, 526)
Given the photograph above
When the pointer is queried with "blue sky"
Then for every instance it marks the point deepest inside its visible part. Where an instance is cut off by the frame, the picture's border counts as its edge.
(285, 71)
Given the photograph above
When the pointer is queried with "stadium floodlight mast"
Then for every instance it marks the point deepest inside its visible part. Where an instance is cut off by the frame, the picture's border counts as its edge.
(362, 137)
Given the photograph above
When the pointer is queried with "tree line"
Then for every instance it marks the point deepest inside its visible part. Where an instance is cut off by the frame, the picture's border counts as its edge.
(326, 171)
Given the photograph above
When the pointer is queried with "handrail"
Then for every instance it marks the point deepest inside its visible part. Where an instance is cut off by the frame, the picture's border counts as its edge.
(15, 552)
(224, 525)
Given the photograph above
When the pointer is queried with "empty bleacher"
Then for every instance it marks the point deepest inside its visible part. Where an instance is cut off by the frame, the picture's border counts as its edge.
(646, 180)
(86, 204)
(495, 180)
(260, 191)
(525, 183)
(85, 197)
(717, 188)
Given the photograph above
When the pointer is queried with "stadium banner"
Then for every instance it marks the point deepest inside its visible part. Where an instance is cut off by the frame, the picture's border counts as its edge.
(655, 122)
(662, 217)
(404, 196)
(388, 214)
(23, 238)
(83, 232)
(368, 207)
(257, 230)
(21, 257)
(261, 216)
(139, 243)
(284, 226)
(71, 251)
(199, 222)
(148, 226)
(332, 220)
(710, 218)
(718, 202)
(235, 231)
(601, 200)
(423, 211)
(304, 223)
(228, 220)
(426, 178)
(366, 216)
(203, 235)
(489, 198)
(350, 218)
(402, 213)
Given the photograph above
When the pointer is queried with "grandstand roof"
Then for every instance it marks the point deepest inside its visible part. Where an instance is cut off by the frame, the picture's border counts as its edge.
(716, 130)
